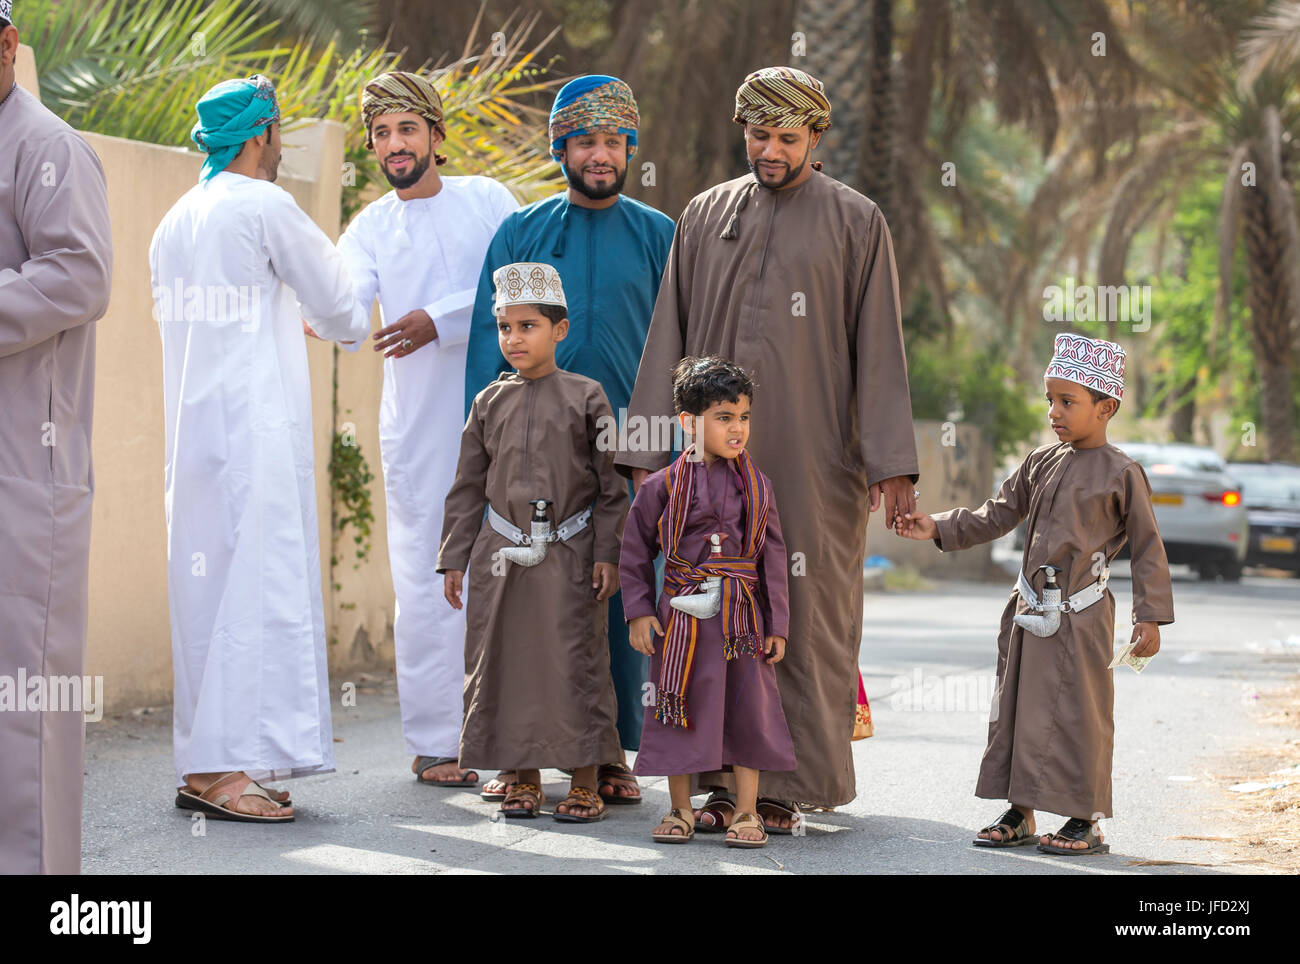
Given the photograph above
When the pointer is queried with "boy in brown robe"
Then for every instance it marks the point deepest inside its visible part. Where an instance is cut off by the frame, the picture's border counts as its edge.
(538, 691)
(1052, 728)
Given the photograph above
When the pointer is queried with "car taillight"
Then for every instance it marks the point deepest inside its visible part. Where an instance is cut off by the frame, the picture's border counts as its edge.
(1224, 498)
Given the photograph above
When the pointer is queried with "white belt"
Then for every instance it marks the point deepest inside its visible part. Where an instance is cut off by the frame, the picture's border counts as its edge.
(1081, 600)
(565, 531)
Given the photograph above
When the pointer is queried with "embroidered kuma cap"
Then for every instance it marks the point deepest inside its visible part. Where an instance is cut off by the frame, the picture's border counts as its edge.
(1089, 362)
(527, 283)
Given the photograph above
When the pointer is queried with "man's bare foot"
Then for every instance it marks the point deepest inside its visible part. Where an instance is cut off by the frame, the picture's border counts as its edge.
(997, 836)
(442, 773)
(247, 803)
(615, 780)
(776, 815)
(500, 784)
(1077, 828)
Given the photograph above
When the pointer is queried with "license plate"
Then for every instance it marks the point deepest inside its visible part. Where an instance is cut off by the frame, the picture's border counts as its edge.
(1277, 544)
(1165, 498)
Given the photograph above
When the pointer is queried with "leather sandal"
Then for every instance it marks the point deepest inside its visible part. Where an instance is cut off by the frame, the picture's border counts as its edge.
(680, 820)
(522, 792)
(767, 807)
(582, 797)
(721, 807)
(507, 778)
(1014, 827)
(614, 775)
(219, 799)
(1077, 829)
(423, 763)
(746, 821)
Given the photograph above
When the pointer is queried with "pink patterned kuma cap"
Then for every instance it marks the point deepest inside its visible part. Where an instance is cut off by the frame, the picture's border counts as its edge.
(1089, 362)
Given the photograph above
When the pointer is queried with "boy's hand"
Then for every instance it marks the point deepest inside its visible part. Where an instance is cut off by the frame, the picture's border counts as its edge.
(916, 525)
(1147, 638)
(776, 646)
(604, 579)
(451, 586)
(641, 632)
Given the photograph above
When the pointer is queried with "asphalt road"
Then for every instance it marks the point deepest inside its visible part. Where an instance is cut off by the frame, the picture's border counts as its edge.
(927, 658)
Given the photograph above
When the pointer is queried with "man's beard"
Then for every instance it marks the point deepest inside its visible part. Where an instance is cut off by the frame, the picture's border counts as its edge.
(790, 176)
(418, 167)
(592, 193)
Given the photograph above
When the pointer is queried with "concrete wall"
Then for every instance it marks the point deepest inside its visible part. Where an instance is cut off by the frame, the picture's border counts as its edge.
(956, 465)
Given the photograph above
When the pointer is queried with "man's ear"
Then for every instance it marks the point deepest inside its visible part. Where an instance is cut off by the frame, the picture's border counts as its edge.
(813, 138)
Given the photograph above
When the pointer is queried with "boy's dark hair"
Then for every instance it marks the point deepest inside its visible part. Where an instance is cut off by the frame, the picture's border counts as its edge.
(1098, 396)
(552, 313)
(701, 382)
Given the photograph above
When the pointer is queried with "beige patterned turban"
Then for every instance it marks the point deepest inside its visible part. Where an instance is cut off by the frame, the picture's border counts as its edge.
(400, 92)
(527, 283)
(783, 97)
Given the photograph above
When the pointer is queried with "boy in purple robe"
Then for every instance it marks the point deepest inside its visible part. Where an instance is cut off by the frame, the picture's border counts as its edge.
(722, 620)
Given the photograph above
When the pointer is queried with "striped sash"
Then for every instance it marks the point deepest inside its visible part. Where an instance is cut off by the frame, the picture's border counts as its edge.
(739, 575)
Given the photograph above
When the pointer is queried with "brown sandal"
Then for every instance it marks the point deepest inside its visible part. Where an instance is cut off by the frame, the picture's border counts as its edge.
(678, 819)
(582, 797)
(615, 775)
(746, 821)
(523, 792)
(219, 799)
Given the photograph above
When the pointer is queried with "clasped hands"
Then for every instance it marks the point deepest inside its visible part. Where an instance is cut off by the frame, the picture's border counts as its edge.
(407, 334)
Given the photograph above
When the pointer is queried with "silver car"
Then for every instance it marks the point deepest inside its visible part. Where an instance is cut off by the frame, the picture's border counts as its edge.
(1198, 506)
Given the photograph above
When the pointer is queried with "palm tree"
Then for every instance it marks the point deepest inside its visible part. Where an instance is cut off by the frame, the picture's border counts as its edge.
(1222, 78)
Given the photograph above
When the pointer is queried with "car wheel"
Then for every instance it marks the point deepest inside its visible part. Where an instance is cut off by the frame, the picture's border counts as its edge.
(1230, 569)
(1207, 571)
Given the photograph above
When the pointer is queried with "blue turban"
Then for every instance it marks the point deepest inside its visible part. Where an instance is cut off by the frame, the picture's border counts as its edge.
(592, 104)
(231, 113)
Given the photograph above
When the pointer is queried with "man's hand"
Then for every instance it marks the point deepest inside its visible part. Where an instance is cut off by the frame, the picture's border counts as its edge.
(307, 330)
(414, 326)
(641, 632)
(604, 579)
(452, 581)
(1147, 638)
(916, 525)
(775, 645)
(899, 498)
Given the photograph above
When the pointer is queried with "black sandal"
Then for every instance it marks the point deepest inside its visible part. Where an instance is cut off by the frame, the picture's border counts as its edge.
(776, 810)
(423, 763)
(1077, 829)
(1014, 827)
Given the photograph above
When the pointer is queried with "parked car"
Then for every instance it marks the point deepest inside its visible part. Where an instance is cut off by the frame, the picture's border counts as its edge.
(1198, 506)
(1271, 491)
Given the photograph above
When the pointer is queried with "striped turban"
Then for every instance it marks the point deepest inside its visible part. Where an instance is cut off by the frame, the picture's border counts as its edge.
(783, 97)
(402, 92)
(231, 113)
(7, 11)
(595, 104)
